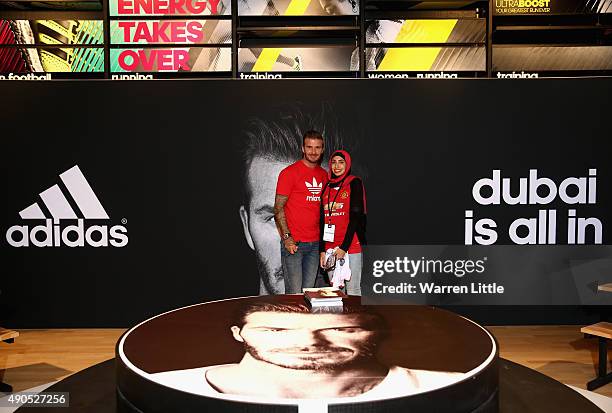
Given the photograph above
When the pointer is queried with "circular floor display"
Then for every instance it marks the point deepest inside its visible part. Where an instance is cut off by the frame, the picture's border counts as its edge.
(275, 354)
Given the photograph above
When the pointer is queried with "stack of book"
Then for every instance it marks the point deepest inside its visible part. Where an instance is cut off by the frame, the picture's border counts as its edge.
(324, 297)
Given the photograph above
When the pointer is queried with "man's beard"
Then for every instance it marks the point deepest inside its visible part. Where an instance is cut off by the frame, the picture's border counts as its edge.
(316, 160)
(267, 274)
(365, 353)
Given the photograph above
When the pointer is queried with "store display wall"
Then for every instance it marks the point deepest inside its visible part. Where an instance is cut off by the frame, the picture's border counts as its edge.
(181, 217)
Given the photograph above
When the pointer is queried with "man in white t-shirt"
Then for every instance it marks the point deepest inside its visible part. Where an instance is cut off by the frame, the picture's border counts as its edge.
(292, 353)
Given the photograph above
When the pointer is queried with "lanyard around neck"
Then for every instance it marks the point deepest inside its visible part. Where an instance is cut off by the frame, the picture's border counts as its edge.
(329, 206)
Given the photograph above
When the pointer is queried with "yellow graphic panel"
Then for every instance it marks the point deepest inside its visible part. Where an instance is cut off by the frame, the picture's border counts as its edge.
(425, 31)
(268, 56)
(297, 7)
(266, 59)
(417, 58)
(54, 63)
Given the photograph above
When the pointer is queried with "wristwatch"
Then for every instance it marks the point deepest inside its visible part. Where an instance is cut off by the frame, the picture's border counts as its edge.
(286, 236)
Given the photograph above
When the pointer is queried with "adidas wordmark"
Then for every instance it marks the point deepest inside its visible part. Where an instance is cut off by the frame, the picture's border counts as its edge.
(52, 233)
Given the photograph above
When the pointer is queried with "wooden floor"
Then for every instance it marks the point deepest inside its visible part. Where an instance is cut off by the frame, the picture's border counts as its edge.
(40, 356)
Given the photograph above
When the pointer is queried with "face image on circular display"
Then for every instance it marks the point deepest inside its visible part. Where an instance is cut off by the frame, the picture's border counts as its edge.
(276, 349)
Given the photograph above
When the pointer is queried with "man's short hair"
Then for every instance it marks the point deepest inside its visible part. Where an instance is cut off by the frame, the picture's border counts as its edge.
(370, 319)
(312, 134)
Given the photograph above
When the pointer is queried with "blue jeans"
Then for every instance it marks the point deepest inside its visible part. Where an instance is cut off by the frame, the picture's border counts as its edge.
(353, 286)
(300, 269)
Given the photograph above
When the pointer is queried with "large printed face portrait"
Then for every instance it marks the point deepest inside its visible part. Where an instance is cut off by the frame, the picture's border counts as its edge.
(257, 215)
(270, 145)
(277, 350)
(293, 338)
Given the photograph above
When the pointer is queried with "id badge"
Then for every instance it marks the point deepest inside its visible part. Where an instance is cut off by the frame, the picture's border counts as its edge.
(328, 232)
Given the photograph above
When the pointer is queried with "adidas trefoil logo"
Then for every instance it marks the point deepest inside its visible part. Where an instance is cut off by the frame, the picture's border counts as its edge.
(314, 187)
(51, 234)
